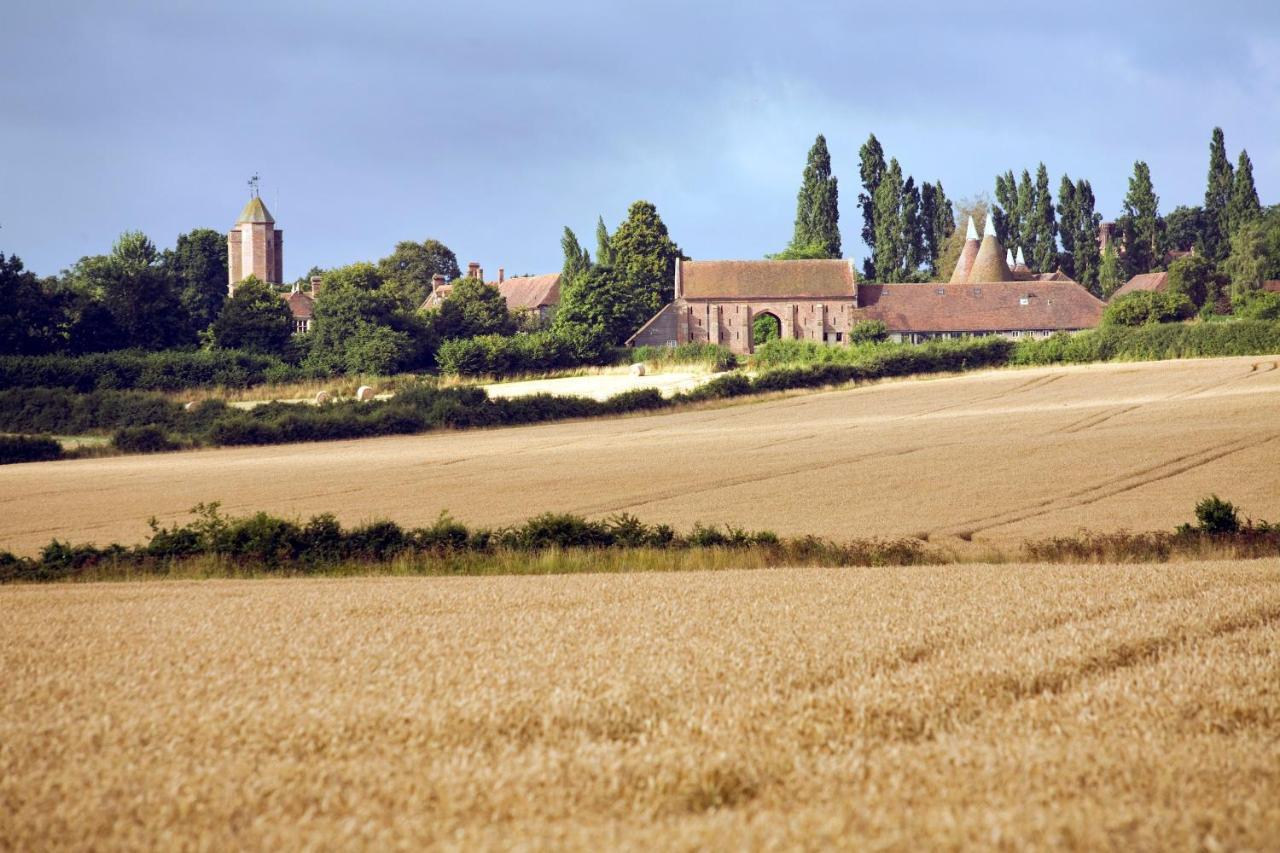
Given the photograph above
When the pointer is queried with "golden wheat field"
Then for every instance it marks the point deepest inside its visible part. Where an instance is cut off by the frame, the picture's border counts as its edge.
(998, 456)
(913, 708)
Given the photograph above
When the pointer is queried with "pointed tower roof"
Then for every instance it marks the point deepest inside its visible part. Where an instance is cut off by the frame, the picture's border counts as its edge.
(255, 211)
(990, 265)
(1008, 257)
(1022, 261)
(967, 255)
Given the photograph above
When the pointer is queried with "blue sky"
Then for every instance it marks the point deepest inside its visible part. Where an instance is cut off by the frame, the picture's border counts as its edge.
(492, 125)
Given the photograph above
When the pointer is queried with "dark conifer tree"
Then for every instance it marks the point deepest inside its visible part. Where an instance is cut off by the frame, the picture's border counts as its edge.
(1045, 226)
(1005, 210)
(938, 221)
(1217, 200)
(817, 204)
(1244, 207)
(1143, 234)
(1086, 255)
(871, 169)
(576, 259)
(1068, 212)
(604, 253)
(889, 251)
(913, 254)
(1024, 236)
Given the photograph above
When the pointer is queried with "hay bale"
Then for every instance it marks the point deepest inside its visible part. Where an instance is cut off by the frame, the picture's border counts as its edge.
(323, 397)
(364, 393)
(189, 406)
(637, 369)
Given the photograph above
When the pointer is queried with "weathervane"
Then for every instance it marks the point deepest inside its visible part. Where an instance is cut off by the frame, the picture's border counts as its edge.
(253, 185)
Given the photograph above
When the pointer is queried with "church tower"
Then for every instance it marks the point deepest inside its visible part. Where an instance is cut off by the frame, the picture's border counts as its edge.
(255, 246)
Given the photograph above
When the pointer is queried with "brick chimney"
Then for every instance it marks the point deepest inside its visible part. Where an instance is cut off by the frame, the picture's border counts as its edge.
(436, 281)
(473, 270)
(316, 281)
(501, 275)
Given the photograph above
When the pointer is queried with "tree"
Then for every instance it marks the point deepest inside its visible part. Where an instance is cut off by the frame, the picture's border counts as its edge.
(1244, 207)
(938, 221)
(1044, 223)
(871, 169)
(1185, 229)
(646, 256)
(1110, 277)
(1196, 278)
(358, 328)
(1143, 234)
(1005, 210)
(1027, 234)
(949, 254)
(30, 316)
(890, 227)
(255, 318)
(604, 252)
(913, 252)
(1068, 214)
(817, 208)
(474, 308)
(1086, 262)
(576, 259)
(198, 266)
(407, 272)
(138, 292)
(1255, 254)
(600, 309)
(1217, 200)
(1145, 307)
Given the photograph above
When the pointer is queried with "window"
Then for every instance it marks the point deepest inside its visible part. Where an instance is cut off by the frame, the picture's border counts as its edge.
(1025, 300)
(976, 291)
(941, 291)
(839, 337)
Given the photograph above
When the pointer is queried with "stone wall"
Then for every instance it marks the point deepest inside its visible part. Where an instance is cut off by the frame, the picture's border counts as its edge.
(729, 323)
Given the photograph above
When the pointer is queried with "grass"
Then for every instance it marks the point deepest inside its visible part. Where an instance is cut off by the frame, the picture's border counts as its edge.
(909, 708)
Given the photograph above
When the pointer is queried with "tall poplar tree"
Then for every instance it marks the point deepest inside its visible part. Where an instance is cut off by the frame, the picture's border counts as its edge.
(1068, 212)
(913, 254)
(1217, 200)
(817, 204)
(1144, 236)
(1045, 225)
(938, 220)
(576, 259)
(1085, 253)
(888, 257)
(1005, 210)
(871, 169)
(1110, 276)
(604, 252)
(1026, 234)
(1244, 207)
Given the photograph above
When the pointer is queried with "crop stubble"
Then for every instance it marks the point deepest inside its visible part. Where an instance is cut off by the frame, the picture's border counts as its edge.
(1120, 707)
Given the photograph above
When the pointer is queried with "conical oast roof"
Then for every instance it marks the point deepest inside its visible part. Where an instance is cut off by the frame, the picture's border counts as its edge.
(967, 255)
(989, 265)
(255, 211)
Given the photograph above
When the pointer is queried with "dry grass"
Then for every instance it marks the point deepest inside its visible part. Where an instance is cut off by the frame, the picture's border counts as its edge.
(997, 456)
(914, 708)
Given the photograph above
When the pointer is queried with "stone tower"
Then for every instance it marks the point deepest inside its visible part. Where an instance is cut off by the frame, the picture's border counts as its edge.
(255, 246)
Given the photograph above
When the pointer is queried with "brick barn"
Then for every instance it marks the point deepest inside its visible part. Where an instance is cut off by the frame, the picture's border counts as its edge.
(821, 300)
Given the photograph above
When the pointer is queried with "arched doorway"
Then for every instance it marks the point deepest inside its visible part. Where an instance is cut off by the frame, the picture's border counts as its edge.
(765, 327)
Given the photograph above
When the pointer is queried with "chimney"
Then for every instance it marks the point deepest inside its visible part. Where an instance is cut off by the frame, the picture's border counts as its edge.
(501, 275)
(297, 287)
(316, 281)
(437, 280)
(473, 270)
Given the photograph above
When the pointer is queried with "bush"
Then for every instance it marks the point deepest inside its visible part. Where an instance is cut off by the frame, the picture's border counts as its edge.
(28, 448)
(1148, 306)
(143, 439)
(713, 356)
(868, 332)
(170, 370)
(1216, 516)
(497, 355)
(64, 412)
(1155, 342)
(1258, 305)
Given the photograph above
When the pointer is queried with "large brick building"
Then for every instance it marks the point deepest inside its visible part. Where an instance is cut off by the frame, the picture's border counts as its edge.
(255, 247)
(821, 300)
(538, 295)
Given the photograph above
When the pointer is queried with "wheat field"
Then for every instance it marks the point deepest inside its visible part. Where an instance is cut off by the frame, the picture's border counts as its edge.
(996, 456)
(996, 706)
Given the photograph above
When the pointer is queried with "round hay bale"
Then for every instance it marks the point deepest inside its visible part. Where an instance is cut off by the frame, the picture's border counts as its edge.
(637, 369)
(323, 397)
(364, 393)
(189, 406)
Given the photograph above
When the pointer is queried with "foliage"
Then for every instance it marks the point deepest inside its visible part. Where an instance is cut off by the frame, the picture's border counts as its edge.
(937, 220)
(1147, 306)
(1196, 278)
(1258, 305)
(499, 355)
(817, 209)
(1245, 206)
(810, 252)
(173, 370)
(576, 258)
(30, 316)
(1217, 200)
(868, 331)
(949, 255)
(360, 328)
(134, 298)
(143, 439)
(254, 319)
(1044, 256)
(1086, 257)
(711, 356)
(1110, 275)
(1005, 211)
(889, 253)
(1185, 229)
(600, 309)
(604, 251)
(408, 270)
(28, 448)
(645, 255)
(1142, 228)
(1255, 254)
(62, 411)
(474, 308)
(1152, 342)
(1216, 516)
(198, 266)
(764, 328)
(871, 169)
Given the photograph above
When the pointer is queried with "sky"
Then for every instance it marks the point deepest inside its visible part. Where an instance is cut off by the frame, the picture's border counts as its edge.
(491, 126)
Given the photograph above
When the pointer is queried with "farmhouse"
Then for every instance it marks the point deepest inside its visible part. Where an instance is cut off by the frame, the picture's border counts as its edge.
(721, 302)
(534, 294)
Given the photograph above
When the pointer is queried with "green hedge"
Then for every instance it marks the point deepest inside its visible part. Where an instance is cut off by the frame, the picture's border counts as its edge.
(28, 448)
(1153, 343)
(171, 370)
(497, 355)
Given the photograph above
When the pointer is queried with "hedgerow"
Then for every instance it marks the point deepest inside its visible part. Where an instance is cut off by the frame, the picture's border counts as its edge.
(1153, 342)
(28, 448)
(170, 370)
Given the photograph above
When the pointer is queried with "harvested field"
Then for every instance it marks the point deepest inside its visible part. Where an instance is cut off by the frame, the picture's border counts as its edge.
(992, 706)
(993, 456)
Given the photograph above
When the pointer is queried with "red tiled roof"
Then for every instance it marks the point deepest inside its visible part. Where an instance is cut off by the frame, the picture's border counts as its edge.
(1272, 285)
(768, 279)
(1145, 281)
(530, 292)
(995, 306)
(965, 262)
(301, 305)
(1056, 275)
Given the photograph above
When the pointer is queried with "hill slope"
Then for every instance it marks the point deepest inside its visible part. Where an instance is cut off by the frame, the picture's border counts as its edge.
(997, 455)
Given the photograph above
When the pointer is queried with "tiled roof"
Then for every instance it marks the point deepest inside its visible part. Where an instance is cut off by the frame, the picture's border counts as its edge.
(996, 306)
(1145, 281)
(767, 279)
(967, 256)
(255, 211)
(436, 296)
(989, 265)
(1056, 275)
(301, 305)
(530, 292)
(1272, 285)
